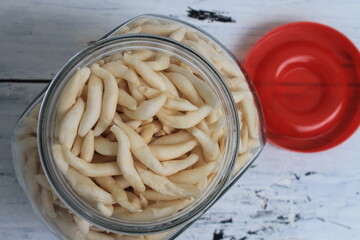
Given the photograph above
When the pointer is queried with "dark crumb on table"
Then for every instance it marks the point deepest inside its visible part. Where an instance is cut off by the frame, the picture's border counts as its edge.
(218, 235)
(227, 221)
(208, 15)
(310, 173)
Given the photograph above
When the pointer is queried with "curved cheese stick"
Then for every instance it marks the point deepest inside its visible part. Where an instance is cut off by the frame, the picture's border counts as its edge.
(177, 165)
(76, 148)
(195, 175)
(135, 30)
(161, 62)
(170, 151)
(156, 196)
(240, 95)
(203, 88)
(187, 120)
(91, 169)
(31, 123)
(133, 198)
(126, 100)
(196, 46)
(93, 105)
(87, 148)
(169, 85)
(250, 115)
(203, 127)
(241, 161)
(105, 147)
(125, 160)
(164, 29)
(210, 148)
(134, 124)
(147, 109)
(178, 137)
(178, 35)
(41, 180)
(106, 209)
(69, 124)
(164, 186)
(85, 187)
(119, 70)
(148, 131)
(110, 99)
(185, 87)
(31, 168)
(143, 54)
(135, 93)
(180, 105)
(109, 184)
(145, 72)
(140, 149)
(71, 89)
(156, 212)
(243, 144)
(59, 158)
(84, 226)
(120, 180)
(28, 144)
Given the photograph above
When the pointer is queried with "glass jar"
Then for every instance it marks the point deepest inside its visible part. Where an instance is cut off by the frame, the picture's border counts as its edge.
(34, 131)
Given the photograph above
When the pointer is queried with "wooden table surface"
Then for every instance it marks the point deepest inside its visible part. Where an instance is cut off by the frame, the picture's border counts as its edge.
(285, 195)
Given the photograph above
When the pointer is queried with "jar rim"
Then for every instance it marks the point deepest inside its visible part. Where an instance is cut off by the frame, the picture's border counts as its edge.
(59, 184)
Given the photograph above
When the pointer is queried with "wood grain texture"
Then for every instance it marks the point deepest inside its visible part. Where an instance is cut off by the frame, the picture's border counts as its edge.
(38, 36)
(285, 195)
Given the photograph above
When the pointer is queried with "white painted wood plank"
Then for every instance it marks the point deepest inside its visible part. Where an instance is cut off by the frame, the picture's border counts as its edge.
(38, 36)
(286, 195)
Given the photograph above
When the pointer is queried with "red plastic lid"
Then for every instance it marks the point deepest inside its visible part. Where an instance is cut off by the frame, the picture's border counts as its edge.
(307, 76)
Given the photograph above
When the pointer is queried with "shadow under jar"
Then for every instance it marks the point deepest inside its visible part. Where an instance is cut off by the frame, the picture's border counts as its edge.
(61, 199)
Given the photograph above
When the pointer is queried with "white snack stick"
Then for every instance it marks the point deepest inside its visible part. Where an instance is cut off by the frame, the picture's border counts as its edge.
(210, 148)
(106, 209)
(59, 158)
(110, 98)
(134, 199)
(178, 137)
(184, 121)
(180, 105)
(185, 87)
(250, 115)
(135, 93)
(105, 147)
(244, 139)
(85, 187)
(84, 226)
(147, 109)
(164, 186)
(178, 35)
(203, 88)
(169, 85)
(93, 105)
(109, 184)
(144, 202)
(156, 212)
(203, 127)
(177, 165)
(119, 70)
(31, 123)
(69, 124)
(42, 180)
(143, 54)
(140, 149)
(125, 160)
(47, 203)
(126, 100)
(161, 62)
(91, 169)
(156, 196)
(122, 182)
(71, 89)
(195, 175)
(145, 72)
(125, 237)
(135, 30)
(148, 131)
(88, 147)
(139, 22)
(164, 29)
(76, 148)
(134, 124)
(170, 151)
(241, 161)
(240, 95)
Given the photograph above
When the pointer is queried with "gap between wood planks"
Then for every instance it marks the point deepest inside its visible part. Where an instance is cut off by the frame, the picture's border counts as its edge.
(10, 80)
